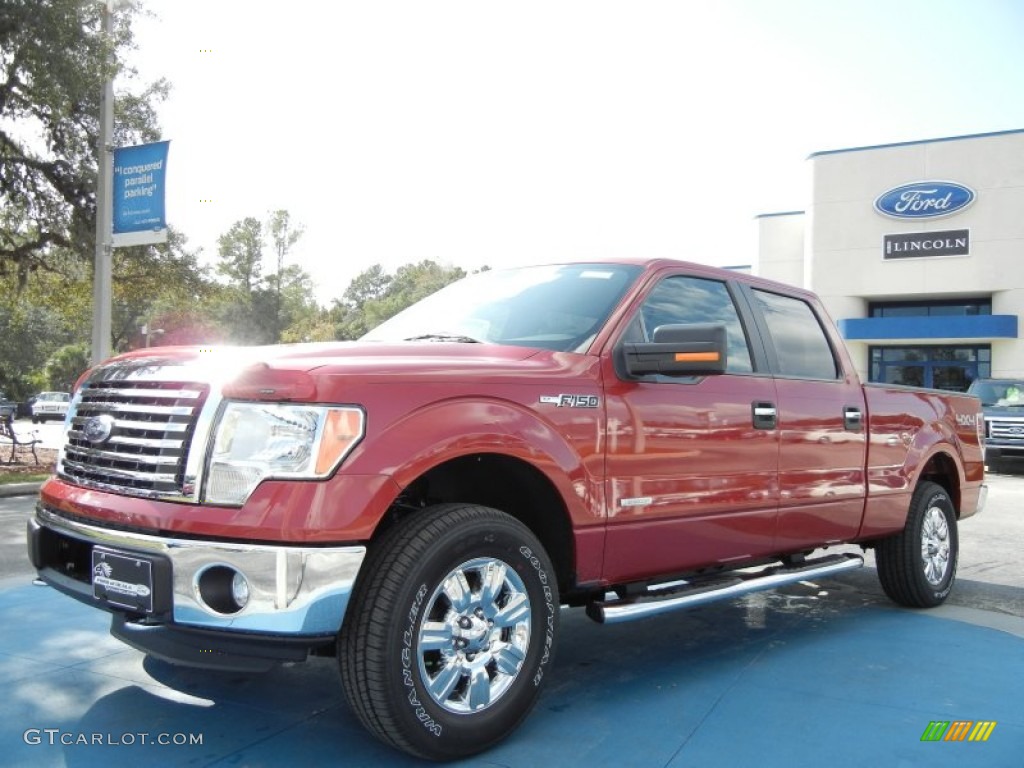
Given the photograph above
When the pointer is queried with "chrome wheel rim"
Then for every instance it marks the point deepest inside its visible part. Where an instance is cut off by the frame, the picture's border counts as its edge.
(474, 636)
(935, 546)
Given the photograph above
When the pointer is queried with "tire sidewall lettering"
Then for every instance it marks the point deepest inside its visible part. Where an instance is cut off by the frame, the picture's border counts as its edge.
(407, 657)
(549, 612)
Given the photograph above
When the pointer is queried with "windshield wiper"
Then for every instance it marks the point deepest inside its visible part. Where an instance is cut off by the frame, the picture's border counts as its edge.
(458, 337)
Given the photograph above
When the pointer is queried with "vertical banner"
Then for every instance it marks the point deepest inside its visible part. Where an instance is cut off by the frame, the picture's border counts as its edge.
(139, 186)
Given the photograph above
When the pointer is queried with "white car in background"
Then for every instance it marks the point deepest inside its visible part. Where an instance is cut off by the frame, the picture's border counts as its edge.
(50, 405)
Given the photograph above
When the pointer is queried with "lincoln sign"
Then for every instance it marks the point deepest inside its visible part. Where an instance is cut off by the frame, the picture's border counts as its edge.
(953, 242)
(924, 200)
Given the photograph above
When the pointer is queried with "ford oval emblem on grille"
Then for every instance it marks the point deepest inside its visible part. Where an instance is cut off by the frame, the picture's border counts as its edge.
(924, 200)
(98, 428)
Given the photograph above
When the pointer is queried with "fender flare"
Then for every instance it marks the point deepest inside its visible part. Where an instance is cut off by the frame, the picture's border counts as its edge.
(937, 440)
(449, 429)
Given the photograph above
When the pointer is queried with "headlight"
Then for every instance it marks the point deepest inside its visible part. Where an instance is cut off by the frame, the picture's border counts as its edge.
(256, 441)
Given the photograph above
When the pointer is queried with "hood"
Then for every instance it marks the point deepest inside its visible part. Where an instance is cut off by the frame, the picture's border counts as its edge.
(340, 356)
(307, 371)
(1003, 411)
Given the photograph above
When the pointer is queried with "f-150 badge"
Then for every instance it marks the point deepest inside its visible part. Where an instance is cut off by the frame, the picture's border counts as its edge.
(571, 401)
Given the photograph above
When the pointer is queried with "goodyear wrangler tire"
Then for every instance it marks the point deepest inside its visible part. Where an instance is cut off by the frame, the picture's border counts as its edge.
(917, 566)
(450, 631)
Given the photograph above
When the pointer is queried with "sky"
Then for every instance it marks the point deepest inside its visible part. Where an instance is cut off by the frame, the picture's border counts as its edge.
(481, 133)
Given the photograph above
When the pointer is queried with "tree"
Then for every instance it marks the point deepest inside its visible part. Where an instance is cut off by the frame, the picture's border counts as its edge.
(154, 284)
(53, 62)
(240, 251)
(349, 312)
(30, 333)
(66, 365)
(368, 285)
(152, 280)
(411, 283)
(256, 308)
(374, 296)
(284, 236)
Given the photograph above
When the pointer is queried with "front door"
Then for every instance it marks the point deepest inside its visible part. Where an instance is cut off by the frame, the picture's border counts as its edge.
(691, 481)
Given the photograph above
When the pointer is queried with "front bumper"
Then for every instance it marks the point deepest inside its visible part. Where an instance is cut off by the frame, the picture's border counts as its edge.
(296, 593)
(1004, 450)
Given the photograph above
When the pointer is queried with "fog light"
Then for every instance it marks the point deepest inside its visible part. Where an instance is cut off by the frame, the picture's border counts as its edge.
(222, 589)
(240, 590)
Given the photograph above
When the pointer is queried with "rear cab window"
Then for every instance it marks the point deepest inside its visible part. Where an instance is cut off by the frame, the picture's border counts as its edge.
(801, 348)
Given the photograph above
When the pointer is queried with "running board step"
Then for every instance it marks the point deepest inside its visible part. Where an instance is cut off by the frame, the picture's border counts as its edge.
(662, 600)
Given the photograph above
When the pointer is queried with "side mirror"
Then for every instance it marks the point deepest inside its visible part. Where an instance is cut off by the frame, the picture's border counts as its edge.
(679, 350)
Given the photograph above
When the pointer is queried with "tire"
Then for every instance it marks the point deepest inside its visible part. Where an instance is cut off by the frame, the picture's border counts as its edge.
(431, 667)
(35, 419)
(917, 567)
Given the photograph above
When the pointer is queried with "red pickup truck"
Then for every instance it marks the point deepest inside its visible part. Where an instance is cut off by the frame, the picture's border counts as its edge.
(629, 436)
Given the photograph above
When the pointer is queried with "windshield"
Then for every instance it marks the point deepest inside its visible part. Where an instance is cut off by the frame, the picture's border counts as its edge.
(999, 392)
(559, 307)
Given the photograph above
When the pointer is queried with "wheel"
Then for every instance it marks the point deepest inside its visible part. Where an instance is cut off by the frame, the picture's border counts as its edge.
(917, 566)
(450, 631)
(35, 419)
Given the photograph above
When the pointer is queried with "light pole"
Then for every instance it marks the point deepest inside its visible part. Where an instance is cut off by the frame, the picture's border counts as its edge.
(102, 289)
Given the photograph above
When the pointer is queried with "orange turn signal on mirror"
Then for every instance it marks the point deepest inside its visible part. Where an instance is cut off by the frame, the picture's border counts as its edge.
(697, 357)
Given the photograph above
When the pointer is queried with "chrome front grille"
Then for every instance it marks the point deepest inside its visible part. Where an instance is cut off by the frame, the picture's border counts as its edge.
(1006, 429)
(146, 452)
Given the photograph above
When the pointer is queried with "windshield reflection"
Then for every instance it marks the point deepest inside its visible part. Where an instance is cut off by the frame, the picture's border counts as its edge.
(557, 307)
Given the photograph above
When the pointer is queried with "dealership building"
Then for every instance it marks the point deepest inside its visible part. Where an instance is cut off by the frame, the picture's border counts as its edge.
(917, 250)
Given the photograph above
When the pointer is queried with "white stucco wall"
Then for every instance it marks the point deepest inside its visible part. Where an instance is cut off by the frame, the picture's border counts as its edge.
(780, 247)
(842, 234)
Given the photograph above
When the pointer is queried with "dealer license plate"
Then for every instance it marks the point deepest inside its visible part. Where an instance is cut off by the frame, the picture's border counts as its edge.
(123, 580)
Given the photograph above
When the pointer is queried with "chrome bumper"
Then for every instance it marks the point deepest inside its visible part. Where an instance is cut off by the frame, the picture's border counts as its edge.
(293, 590)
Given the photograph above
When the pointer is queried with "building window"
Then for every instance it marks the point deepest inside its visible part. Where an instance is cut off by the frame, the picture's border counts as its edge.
(946, 367)
(953, 307)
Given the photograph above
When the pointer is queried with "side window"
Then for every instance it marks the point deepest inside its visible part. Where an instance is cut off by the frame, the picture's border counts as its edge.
(800, 344)
(688, 300)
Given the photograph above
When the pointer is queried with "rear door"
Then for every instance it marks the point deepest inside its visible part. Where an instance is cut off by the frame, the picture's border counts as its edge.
(821, 418)
(691, 479)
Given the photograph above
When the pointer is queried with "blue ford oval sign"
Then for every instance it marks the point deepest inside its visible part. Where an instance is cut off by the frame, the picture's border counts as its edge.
(924, 200)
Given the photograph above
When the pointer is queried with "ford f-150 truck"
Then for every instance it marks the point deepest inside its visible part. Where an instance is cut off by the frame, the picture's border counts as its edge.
(631, 437)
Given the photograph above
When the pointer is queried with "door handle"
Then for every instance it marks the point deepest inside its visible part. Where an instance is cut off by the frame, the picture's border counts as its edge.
(853, 419)
(764, 415)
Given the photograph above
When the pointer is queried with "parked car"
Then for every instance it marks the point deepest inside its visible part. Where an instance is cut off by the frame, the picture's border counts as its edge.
(1002, 400)
(8, 408)
(25, 408)
(50, 405)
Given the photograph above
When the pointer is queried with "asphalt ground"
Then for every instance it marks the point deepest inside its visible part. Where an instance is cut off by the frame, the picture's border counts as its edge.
(816, 673)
